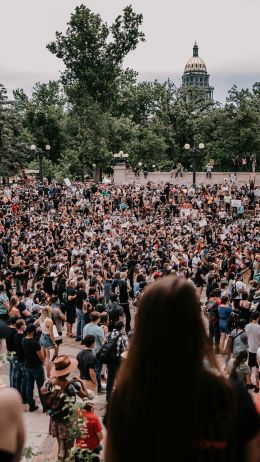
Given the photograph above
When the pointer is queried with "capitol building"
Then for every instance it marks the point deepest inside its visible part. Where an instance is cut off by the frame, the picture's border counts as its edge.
(196, 75)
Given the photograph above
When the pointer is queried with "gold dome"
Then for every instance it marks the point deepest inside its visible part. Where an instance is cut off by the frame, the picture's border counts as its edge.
(195, 63)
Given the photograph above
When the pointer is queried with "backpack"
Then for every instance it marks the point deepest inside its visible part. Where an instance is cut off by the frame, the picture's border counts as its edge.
(212, 312)
(55, 400)
(107, 353)
(113, 314)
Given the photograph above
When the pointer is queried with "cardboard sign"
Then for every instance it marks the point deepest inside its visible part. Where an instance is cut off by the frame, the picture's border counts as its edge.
(235, 203)
(67, 182)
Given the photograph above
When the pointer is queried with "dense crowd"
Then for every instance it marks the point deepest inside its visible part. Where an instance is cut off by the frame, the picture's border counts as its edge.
(76, 260)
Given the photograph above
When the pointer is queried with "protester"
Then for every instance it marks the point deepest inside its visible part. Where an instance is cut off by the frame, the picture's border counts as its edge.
(34, 359)
(55, 392)
(87, 363)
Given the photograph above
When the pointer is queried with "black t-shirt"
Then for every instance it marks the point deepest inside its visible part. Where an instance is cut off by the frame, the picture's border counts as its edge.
(123, 291)
(86, 361)
(10, 339)
(22, 307)
(30, 348)
(81, 296)
(18, 338)
(8, 288)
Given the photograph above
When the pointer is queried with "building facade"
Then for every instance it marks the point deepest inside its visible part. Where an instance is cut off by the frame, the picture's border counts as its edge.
(195, 75)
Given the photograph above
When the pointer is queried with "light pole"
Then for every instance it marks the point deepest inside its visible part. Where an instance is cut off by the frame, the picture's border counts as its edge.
(194, 152)
(40, 153)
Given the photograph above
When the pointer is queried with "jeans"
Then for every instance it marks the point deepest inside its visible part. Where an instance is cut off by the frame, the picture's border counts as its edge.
(107, 286)
(98, 370)
(34, 375)
(111, 375)
(11, 359)
(20, 379)
(80, 324)
(214, 335)
(18, 284)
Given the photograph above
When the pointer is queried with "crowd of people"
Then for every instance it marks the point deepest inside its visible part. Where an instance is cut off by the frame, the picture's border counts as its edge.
(76, 261)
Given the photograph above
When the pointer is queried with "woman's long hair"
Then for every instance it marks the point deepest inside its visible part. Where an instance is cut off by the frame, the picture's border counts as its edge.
(164, 394)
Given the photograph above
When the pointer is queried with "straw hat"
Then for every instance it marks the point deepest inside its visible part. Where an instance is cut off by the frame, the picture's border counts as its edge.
(63, 365)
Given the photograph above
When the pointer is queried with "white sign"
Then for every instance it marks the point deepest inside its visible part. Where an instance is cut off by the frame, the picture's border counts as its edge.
(235, 203)
(185, 212)
(67, 182)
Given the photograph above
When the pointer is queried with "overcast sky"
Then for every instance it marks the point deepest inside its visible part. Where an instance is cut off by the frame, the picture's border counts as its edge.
(227, 32)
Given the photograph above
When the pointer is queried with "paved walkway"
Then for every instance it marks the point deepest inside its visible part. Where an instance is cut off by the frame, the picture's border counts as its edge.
(40, 447)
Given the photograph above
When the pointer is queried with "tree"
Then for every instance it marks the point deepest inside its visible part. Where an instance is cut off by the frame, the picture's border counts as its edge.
(43, 115)
(93, 54)
(13, 138)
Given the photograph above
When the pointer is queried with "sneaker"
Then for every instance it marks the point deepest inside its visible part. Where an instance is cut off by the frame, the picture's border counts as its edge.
(256, 390)
(77, 339)
(33, 408)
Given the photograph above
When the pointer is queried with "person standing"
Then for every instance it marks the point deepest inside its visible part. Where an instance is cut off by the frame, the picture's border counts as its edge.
(10, 346)
(47, 340)
(33, 366)
(124, 289)
(253, 335)
(4, 303)
(224, 311)
(93, 329)
(121, 344)
(60, 420)
(19, 368)
(87, 363)
(71, 306)
(81, 298)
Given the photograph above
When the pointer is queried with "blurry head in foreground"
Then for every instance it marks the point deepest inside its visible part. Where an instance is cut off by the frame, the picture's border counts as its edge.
(169, 402)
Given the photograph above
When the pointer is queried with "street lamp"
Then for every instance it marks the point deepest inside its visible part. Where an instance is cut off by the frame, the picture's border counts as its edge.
(40, 153)
(140, 164)
(194, 152)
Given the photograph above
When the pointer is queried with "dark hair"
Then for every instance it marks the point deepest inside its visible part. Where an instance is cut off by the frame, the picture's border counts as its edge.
(255, 315)
(30, 328)
(241, 323)
(94, 316)
(119, 325)
(142, 378)
(224, 299)
(12, 320)
(19, 323)
(240, 358)
(114, 298)
(89, 340)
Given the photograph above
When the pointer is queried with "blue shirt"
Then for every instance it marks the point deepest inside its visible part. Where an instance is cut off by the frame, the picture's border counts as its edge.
(93, 329)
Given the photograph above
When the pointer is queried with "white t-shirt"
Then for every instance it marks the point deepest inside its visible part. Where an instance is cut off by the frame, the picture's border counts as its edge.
(253, 335)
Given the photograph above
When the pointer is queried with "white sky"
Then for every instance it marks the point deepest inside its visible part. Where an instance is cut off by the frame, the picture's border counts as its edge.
(227, 32)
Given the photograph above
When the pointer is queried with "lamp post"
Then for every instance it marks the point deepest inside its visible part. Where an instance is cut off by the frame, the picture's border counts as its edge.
(194, 152)
(40, 153)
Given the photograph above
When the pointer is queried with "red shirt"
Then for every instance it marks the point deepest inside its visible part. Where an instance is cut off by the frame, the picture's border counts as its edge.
(90, 428)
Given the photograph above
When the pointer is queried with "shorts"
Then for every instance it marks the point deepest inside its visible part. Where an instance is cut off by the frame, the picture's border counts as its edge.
(252, 362)
(46, 341)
